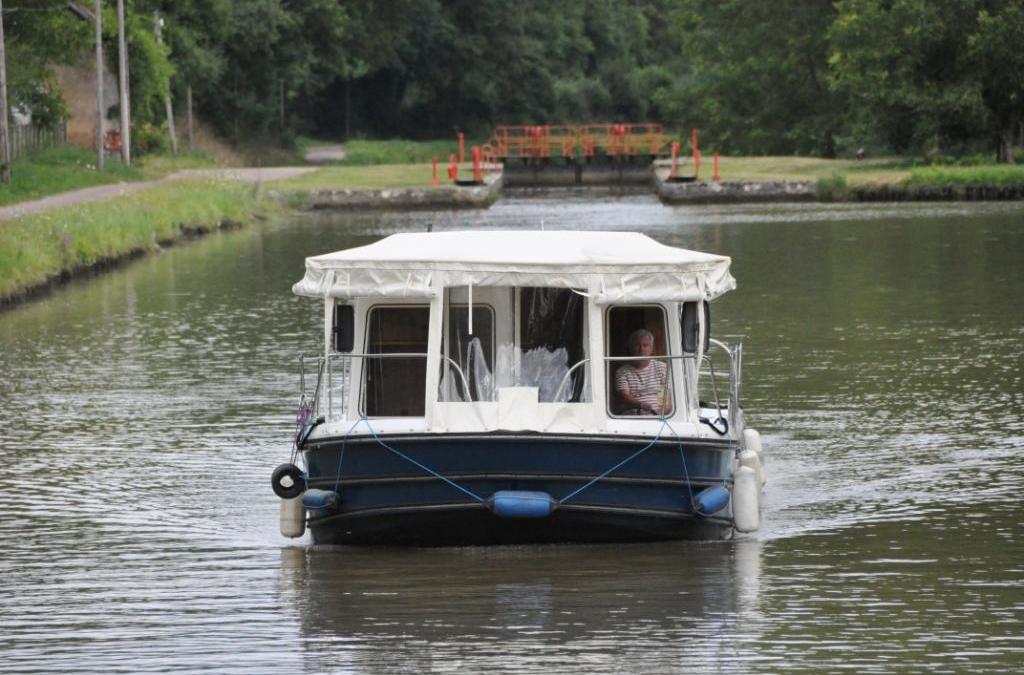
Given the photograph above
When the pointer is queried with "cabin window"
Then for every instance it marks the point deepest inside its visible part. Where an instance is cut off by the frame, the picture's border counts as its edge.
(393, 386)
(639, 382)
(551, 342)
(472, 353)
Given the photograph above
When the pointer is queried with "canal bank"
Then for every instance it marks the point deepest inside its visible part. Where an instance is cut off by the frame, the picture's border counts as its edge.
(59, 240)
(468, 195)
(74, 234)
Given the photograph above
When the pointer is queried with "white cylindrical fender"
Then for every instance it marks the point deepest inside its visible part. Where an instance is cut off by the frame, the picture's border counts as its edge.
(746, 512)
(750, 459)
(293, 517)
(752, 441)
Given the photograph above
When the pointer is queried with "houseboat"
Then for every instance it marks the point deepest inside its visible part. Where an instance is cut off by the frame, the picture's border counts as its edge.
(502, 387)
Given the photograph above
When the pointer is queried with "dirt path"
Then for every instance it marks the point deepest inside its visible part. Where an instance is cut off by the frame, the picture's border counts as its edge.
(322, 154)
(103, 192)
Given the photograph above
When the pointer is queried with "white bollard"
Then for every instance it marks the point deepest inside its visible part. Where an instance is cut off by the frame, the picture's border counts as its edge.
(293, 517)
(746, 510)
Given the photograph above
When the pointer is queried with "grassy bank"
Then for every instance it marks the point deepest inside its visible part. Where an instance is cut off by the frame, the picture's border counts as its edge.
(752, 169)
(395, 151)
(838, 179)
(363, 177)
(60, 170)
(69, 168)
(941, 176)
(38, 249)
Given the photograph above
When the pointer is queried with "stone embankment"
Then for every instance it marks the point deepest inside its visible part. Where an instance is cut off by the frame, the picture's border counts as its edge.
(944, 193)
(472, 196)
(727, 192)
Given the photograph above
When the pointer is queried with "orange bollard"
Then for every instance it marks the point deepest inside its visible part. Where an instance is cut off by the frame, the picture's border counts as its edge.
(715, 177)
(453, 169)
(696, 165)
(675, 160)
(462, 147)
(433, 178)
(477, 175)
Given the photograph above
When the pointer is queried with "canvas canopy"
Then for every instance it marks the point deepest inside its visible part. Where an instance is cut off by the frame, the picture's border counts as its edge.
(608, 266)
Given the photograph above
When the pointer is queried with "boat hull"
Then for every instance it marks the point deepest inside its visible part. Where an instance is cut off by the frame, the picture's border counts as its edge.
(435, 489)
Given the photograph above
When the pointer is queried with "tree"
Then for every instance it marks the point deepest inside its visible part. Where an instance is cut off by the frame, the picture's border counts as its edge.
(39, 34)
(758, 75)
(924, 75)
(996, 51)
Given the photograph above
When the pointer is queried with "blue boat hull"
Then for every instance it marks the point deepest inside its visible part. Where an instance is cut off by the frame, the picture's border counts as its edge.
(391, 493)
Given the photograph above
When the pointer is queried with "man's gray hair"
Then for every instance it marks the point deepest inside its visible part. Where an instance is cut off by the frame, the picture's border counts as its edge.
(634, 337)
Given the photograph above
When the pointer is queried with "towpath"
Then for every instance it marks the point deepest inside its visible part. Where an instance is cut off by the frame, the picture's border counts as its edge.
(104, 192)
(324, 154)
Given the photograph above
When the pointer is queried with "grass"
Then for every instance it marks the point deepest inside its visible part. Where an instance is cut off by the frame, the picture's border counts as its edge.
(360, 152)
(61, 170)
(157, 166)
(363, 177)
(994, 174)
(37, 248)
(72, 168)
(746, 169)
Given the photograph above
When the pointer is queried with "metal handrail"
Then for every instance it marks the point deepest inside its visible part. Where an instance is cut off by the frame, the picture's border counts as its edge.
(350, 355)
(565, 378)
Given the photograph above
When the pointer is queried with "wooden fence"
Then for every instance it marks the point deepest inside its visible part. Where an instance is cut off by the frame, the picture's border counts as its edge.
(27, 139)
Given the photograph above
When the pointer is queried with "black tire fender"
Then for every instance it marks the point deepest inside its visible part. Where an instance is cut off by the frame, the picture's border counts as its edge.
(288, 481)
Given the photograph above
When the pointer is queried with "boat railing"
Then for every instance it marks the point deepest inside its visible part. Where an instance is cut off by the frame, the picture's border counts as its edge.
(322, 396)
(732, 408)
(329, 395)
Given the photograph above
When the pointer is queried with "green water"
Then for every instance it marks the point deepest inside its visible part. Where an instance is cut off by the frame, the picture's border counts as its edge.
(142, 412)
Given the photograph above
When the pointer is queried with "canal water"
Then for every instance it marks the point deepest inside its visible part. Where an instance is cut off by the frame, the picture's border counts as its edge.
(142, 411)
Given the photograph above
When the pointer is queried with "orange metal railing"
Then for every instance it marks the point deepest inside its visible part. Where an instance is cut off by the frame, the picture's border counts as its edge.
(614, 140)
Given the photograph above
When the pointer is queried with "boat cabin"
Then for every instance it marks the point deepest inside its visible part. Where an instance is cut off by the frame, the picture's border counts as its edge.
(549, 332)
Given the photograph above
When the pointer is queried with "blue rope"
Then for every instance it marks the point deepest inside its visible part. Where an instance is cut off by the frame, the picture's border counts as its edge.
(682, 458)
(422, 466)
(341, 458)
(664, 423)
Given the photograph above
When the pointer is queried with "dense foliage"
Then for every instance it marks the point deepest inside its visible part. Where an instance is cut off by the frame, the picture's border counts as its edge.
(792, 76)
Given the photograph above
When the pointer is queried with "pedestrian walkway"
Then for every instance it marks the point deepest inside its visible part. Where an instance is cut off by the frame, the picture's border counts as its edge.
(100, 193)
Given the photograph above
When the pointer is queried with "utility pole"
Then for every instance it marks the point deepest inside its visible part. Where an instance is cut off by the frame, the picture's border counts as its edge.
(159, 27)
(99, 86)
(5, 132)
(122, 73)
(188, 104)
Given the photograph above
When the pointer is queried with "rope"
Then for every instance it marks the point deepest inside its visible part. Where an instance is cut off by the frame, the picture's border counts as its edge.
(664, 423)
(682, 458)
(301, 417)
(341, 458)
(410, 460)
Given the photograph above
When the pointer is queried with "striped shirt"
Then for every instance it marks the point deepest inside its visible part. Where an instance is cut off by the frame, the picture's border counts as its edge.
(649, 385)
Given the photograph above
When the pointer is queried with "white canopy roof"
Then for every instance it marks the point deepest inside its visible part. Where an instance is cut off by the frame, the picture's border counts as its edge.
(612, 266)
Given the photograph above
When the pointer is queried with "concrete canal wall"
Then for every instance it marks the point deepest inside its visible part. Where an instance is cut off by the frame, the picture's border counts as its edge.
(577, 171)
(447, 197)
(729, 192)
(946, 193)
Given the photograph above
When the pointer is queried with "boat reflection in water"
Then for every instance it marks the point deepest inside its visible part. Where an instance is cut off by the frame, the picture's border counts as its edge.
(665, 605)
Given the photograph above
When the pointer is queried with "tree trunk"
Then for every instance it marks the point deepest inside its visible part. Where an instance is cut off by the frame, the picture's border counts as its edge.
(122, 73)
(188, 104)
(1004, 145)
(158, 26)
(99, 86)
(5, 132)
(348, 108)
